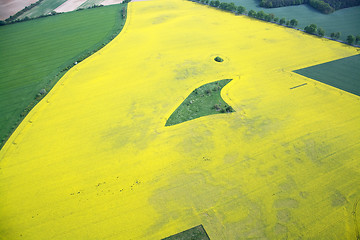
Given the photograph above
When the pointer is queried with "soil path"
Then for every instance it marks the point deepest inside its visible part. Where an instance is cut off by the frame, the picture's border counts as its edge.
(10, 7)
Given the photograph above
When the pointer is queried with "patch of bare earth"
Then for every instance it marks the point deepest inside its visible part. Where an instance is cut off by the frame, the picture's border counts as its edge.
(111, 2)
(69, 5)
(10, 7)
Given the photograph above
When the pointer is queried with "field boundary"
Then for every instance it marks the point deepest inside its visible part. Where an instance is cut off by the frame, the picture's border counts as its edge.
(240, 10)
(53, 78)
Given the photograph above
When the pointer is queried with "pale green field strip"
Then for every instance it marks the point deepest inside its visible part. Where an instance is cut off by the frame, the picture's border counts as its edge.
(43, 8)
(90, 3)
(343, 74)
(346, 21)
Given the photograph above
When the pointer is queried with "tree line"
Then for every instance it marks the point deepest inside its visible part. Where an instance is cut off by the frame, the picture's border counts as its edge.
(313, 29)
(269, 17)
(324, 6)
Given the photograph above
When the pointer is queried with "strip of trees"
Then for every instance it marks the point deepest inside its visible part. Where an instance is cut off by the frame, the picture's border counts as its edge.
(269, 17)
(324, 6)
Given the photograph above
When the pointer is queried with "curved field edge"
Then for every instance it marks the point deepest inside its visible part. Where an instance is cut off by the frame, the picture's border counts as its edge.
(20, 97)
(239, 170)
(203, 101)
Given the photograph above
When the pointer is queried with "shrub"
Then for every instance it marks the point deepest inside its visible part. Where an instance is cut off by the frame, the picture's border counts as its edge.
(218, 59)
(311, 29)
(321, 32)
(350, 39)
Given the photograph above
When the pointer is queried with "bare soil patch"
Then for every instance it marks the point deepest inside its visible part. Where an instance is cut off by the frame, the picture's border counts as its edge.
(10, 7)
(69, 5)
(111, 2)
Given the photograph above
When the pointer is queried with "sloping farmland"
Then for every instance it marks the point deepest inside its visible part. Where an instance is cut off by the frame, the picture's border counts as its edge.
(94, 159)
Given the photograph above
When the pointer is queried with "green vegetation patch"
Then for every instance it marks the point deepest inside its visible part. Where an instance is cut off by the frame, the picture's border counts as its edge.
(218, 59)
(36, 53)
(343, 74)
(203, 101)
(195, 233)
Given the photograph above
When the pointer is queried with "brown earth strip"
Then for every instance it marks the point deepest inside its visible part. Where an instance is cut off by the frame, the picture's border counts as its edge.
(10, 7)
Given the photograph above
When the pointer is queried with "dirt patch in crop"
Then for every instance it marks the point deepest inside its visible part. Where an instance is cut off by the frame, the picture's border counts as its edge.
(111, 2)
(69, 5)
(10, 7)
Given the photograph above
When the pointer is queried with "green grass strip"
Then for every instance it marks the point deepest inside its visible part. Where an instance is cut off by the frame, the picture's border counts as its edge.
(343, 74)
(37, 53)
(203, 101)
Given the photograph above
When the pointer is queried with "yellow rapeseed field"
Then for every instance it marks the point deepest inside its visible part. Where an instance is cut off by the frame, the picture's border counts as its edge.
(94, 159)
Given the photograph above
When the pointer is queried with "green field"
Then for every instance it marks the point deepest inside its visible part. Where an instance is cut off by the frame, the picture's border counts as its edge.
(35, 52)
(203, 101)
(43, 8)
(195, 233)
(346, 21)
(90, 3)
(343, 74)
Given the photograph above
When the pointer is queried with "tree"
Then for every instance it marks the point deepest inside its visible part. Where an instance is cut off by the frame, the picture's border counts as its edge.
(276, 19)
(240, 10)
(287, 23)
(2, 23)
(252, 13)
(321, 32)
(282, 21)
(357, 39)
(218, 59)
(214, 3)
(311, 29)
(293, 22)
(350, 39)
(231, 7)
(260, 15)
(271, 16)
(267, 17)
(337, 35)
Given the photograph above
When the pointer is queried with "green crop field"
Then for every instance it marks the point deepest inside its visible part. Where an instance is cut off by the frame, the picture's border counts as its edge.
(43, 8)
(346, 21)
(343, 74)
(90, 3)
(34, 52)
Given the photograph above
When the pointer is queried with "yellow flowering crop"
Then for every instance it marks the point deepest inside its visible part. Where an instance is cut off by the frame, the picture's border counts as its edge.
(94, 159)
